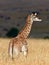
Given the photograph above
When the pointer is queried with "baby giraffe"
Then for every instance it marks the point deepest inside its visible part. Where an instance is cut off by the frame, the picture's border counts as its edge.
(19, 43)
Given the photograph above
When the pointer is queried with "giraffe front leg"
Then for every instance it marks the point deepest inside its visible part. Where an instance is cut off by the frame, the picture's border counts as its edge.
(25, 50)
(25, 53)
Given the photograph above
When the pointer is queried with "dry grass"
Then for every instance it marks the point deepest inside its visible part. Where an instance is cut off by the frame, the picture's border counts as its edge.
(38, 53)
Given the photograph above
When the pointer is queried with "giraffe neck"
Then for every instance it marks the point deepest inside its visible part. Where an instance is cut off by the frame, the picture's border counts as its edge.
(26, 29)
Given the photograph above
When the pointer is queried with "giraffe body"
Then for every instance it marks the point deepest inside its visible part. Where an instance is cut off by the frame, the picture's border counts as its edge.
(19, 43)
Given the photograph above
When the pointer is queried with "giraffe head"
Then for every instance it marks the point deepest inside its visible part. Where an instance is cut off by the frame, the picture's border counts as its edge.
(34, 17)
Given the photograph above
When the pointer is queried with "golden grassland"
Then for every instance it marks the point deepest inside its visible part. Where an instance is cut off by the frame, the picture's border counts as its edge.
(38, 53)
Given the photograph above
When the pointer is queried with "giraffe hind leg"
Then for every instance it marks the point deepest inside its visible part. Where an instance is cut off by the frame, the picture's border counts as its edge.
(16, 52)
(13, 51)
(10, 50)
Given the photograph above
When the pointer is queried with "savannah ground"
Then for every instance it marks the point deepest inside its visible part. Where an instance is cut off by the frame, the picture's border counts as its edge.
(38, 49)
(38, 53)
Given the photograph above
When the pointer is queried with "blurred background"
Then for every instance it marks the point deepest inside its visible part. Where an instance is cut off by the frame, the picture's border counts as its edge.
(13, 16)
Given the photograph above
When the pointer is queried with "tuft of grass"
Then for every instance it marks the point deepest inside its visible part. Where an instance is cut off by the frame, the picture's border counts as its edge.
(12, 32)
(46, 37)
